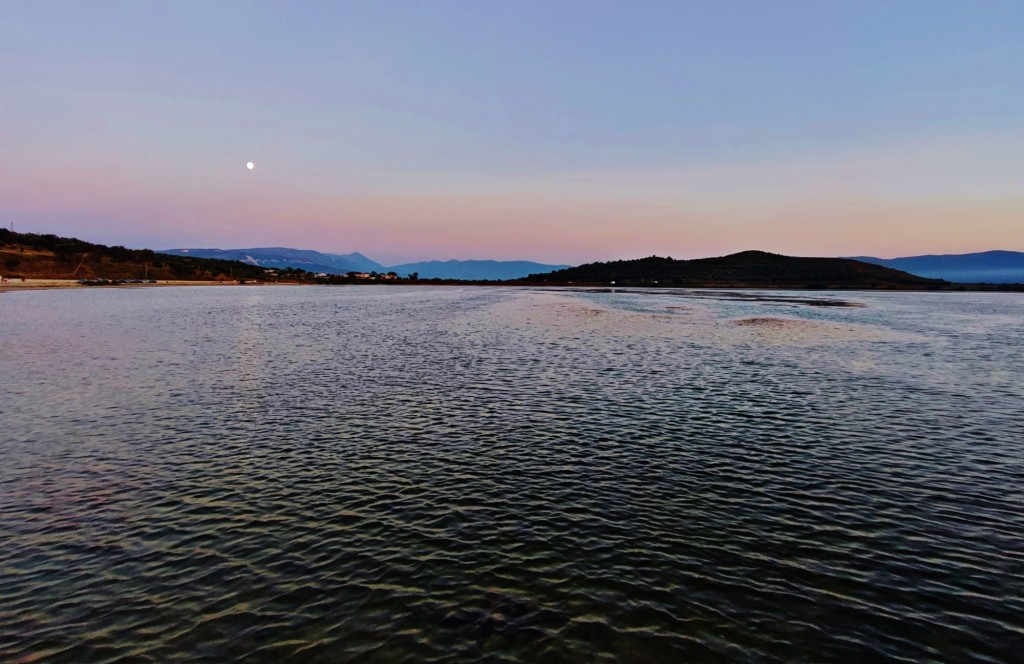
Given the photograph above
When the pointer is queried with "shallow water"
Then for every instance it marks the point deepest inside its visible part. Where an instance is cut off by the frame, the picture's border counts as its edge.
(479, 474)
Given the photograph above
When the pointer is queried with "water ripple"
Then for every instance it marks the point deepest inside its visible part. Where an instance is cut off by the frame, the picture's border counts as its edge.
(442, 474)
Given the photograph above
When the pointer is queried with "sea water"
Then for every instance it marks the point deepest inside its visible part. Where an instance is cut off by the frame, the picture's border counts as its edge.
(382, 474)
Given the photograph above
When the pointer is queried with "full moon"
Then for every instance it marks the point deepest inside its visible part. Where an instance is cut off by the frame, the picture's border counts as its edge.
(250, 165)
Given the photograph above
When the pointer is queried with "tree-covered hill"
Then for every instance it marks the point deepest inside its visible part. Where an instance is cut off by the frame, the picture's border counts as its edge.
(32, 255)
(748, 268)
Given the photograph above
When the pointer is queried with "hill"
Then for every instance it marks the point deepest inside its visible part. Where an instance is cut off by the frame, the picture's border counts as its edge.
(285, 257)
(993, 267)
(473, 270)
(32, 256)
(748, 268)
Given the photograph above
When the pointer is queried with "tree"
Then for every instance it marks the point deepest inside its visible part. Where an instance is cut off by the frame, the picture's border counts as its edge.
(64, 250)
(12, 262)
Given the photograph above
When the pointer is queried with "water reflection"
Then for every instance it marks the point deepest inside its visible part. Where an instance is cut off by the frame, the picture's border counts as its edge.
(377, 474)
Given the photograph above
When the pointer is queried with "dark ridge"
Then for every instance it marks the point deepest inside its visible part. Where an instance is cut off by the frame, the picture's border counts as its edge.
(747, 268)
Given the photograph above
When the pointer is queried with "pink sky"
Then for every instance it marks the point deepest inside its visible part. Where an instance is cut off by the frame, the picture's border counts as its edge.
(949, 195)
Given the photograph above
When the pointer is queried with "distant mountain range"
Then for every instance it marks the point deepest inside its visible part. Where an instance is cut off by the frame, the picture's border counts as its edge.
(747, 268)
(474, 270)
(992, 267)
(315, 261)
(996, 267)
(281, 257)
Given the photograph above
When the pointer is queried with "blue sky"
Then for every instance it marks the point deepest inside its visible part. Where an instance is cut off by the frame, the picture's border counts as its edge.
(563, 131)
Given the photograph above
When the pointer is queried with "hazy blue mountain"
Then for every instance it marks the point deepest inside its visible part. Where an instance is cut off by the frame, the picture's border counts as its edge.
(992, 267)
(280, 257)
(316, 261)
(455, 269)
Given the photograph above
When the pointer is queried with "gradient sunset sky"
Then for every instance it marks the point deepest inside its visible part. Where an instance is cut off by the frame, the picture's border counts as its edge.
(554, 131)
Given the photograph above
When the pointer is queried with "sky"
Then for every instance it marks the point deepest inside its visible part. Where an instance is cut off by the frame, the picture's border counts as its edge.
(561, 132)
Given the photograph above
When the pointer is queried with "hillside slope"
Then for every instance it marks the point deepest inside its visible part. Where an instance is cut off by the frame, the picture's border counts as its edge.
(35, 256)
(748, 268)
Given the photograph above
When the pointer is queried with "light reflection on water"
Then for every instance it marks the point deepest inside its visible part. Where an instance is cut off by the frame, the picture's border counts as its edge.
(481, 474)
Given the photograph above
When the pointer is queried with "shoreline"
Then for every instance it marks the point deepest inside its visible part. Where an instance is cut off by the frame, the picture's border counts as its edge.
(50, 284)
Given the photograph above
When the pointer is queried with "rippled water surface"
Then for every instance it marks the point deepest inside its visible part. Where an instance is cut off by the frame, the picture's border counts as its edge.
(381, 474)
